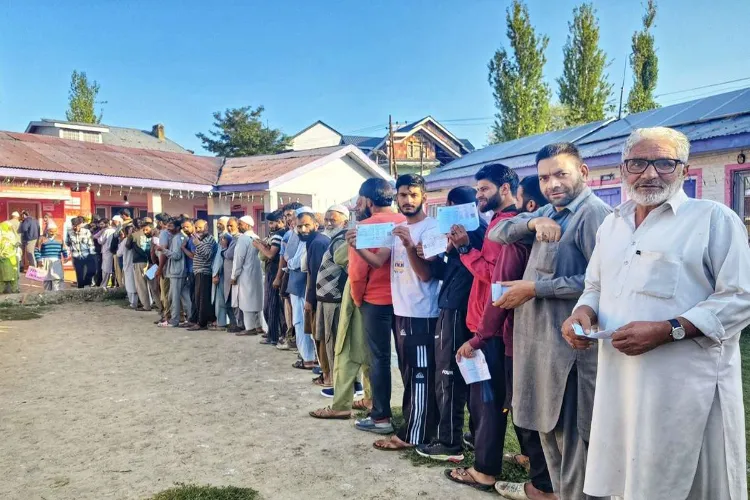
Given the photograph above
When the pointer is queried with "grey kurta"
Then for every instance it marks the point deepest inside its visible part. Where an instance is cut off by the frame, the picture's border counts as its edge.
(542, 358)
(228, 263)
(246, 269)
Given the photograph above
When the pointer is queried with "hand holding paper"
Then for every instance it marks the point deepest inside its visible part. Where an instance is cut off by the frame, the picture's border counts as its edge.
(464, 215)
(375, 235)
(433, 243)
(474, 369)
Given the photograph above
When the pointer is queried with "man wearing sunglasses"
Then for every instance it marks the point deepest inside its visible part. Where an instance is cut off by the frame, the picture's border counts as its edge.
(670, 276)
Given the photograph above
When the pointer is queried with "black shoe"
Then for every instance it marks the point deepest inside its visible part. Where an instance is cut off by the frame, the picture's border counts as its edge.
(468, 441)
(438, 451)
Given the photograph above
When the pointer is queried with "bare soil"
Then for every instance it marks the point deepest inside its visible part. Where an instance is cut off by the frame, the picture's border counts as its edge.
(97, 402)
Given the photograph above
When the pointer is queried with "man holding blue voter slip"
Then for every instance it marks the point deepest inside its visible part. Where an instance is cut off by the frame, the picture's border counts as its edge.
(553, 384)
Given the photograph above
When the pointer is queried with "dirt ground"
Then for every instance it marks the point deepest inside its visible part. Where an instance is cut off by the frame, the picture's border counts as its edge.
(96, 402)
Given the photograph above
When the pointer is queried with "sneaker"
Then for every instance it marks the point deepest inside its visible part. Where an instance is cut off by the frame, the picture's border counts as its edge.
(369, 425)
(468, 440)
(282, 346)
(317, 371)
(165, 324)
(327, 393)
(438, 451)
(358, 390)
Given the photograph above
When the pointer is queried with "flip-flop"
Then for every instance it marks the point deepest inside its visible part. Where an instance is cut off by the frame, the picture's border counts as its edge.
(473, 483)
(326, 414)
(388, 448)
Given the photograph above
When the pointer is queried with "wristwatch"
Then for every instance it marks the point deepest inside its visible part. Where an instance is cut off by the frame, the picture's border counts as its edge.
(464, 249)
(678, 332)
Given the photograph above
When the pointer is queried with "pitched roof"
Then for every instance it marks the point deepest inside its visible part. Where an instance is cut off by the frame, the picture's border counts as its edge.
(319, 122)
(118, 136)
(361, 141)
(51, 154)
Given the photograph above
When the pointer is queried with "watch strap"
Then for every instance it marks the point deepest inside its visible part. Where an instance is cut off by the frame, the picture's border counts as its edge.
(675, 324)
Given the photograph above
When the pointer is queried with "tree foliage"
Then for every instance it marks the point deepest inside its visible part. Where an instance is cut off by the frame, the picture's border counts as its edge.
(81, 99)
(521, 95)
(644, 64)
(583, 86)
(558, 117)
(240, 132)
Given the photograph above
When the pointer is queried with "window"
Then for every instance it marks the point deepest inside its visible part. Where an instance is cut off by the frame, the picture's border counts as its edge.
(741, 196)
(689, 188)
(610, 196)
(70, 134)
(95, 137)
(432, 209)
(142, 212)
(414, 150)
(101, 212)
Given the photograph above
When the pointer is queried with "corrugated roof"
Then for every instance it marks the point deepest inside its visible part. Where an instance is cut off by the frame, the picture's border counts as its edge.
(264, 168)
(39, 152)
(362, 142)
(128, 137)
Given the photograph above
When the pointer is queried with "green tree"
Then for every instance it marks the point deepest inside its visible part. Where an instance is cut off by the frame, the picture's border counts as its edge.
(583, 86)
(81, 99)
(517, 81)
(644, 64)
(558, 117)
(240, 132)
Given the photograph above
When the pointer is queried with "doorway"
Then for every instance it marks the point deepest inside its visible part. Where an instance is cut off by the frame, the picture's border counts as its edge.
(30, 206)
(741, 196)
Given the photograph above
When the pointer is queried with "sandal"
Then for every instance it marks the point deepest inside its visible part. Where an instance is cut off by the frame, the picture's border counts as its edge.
(361, 405)
(299, 364)
(463, 476)
(391, 444)
(320, 381)
(327, 413)
(517, 459)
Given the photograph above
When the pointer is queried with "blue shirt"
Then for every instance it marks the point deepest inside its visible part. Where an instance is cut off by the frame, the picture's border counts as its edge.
(188, 261)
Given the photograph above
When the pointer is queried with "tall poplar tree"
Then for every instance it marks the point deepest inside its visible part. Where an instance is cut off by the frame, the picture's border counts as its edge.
(583, 86)
(81, 99)
(517, 80)
(644, 64)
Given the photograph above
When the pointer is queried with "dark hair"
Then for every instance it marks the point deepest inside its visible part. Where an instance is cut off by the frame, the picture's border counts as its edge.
(25, 212)
(125, 212)
(379, 191)
(462, 194)
(531, 191)
(498, 174)
(556, 149)
(162, 217)
(292, 206)
(410, 180)
(76, 221)
(104, 220)
(274, 216)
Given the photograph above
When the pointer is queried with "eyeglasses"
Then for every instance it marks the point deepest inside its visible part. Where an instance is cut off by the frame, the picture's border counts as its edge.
(661, 165)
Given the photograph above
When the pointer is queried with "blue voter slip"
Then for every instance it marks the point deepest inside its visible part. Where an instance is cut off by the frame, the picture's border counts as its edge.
(465, 215)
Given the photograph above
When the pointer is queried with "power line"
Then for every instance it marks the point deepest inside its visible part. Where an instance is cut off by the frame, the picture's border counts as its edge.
(705, 93)
(703, 87)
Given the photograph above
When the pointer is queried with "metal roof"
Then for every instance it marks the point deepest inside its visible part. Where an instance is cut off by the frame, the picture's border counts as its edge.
(362, 142)
(51, 154)
(263, 168)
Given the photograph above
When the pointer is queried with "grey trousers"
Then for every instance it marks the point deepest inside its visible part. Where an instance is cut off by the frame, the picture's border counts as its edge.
(179, 294)
(153, 287)
(141, 284)
(28, 253)
(565, 449)
(327, 319)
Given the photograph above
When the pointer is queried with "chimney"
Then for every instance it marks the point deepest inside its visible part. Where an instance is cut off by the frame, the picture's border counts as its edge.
(158, 131)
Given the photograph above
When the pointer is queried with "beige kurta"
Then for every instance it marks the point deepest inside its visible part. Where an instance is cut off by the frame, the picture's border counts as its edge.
(247, 294)
(690, 259)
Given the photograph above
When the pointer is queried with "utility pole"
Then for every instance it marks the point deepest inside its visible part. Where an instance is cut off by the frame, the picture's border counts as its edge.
(391, 149)
(421, 157)
(622, 89)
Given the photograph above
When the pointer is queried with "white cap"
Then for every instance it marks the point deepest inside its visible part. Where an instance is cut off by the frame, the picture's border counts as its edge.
(340, 209)
(247, 220)
(223, 219)
(304, 210)
(15, 214)
(117, 218)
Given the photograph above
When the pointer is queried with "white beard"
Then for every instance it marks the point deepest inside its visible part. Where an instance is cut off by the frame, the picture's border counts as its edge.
(654, 199)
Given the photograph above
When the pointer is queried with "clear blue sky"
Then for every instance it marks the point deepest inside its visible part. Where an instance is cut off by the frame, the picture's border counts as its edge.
(349, 63)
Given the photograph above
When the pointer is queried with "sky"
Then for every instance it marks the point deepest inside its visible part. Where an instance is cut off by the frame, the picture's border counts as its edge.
(348, 63)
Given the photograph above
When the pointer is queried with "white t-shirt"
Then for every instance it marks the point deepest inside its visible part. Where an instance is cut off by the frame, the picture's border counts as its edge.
(412, 297)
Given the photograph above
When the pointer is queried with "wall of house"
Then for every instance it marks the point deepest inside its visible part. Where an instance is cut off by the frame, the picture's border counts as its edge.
(443, 137)
(318, 136)
(335, 182)
(52, 131)
(408, 149)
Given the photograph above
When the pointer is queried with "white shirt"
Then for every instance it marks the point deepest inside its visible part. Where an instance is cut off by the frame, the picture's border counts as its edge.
(688, 258)
(412, 297)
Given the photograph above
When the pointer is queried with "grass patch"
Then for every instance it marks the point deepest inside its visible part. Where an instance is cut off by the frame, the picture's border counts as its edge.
(21, 313)
(195, 492)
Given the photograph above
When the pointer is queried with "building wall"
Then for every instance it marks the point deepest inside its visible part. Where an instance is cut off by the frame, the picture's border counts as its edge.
(52, 131)
(335, 182)
(319, 136)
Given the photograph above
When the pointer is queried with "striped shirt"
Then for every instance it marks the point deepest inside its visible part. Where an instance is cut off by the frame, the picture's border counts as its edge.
(51, 249)
(203, 255)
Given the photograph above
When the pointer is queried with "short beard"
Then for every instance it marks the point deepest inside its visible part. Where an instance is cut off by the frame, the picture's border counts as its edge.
(364, 214)
(654, 199)
(570, 195)
(415, 212)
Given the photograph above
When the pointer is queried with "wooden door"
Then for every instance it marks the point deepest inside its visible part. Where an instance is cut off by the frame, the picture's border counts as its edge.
(30, 206)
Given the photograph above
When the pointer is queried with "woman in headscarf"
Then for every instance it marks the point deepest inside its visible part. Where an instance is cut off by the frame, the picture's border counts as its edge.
(50, 254)
(8, 258)
(227, 252)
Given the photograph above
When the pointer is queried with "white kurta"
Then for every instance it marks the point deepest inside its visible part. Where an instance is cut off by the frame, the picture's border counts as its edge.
(248, 293)
(127, 267)
(689, 258)
(105, 240)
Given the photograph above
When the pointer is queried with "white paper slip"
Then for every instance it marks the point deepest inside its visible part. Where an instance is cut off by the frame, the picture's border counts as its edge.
(375, 235)
(474, 369)
(151, 272)
(434, 243)
(465, 215)
(498, 290)
(599, 334)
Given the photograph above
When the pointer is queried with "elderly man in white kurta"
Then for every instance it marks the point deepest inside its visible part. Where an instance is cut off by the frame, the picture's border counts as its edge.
(247, 279)
(672, 276)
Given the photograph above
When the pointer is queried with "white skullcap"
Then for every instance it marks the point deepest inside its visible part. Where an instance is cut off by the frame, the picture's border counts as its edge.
(117, 218)
(223, 219)
(15, 214)
(304, 210)
(340, 209)
(247, 220)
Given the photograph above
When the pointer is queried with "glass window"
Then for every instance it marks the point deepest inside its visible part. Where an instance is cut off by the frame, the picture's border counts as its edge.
(101, 212)
(689, 187)
(73, 135)
(741, 196)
